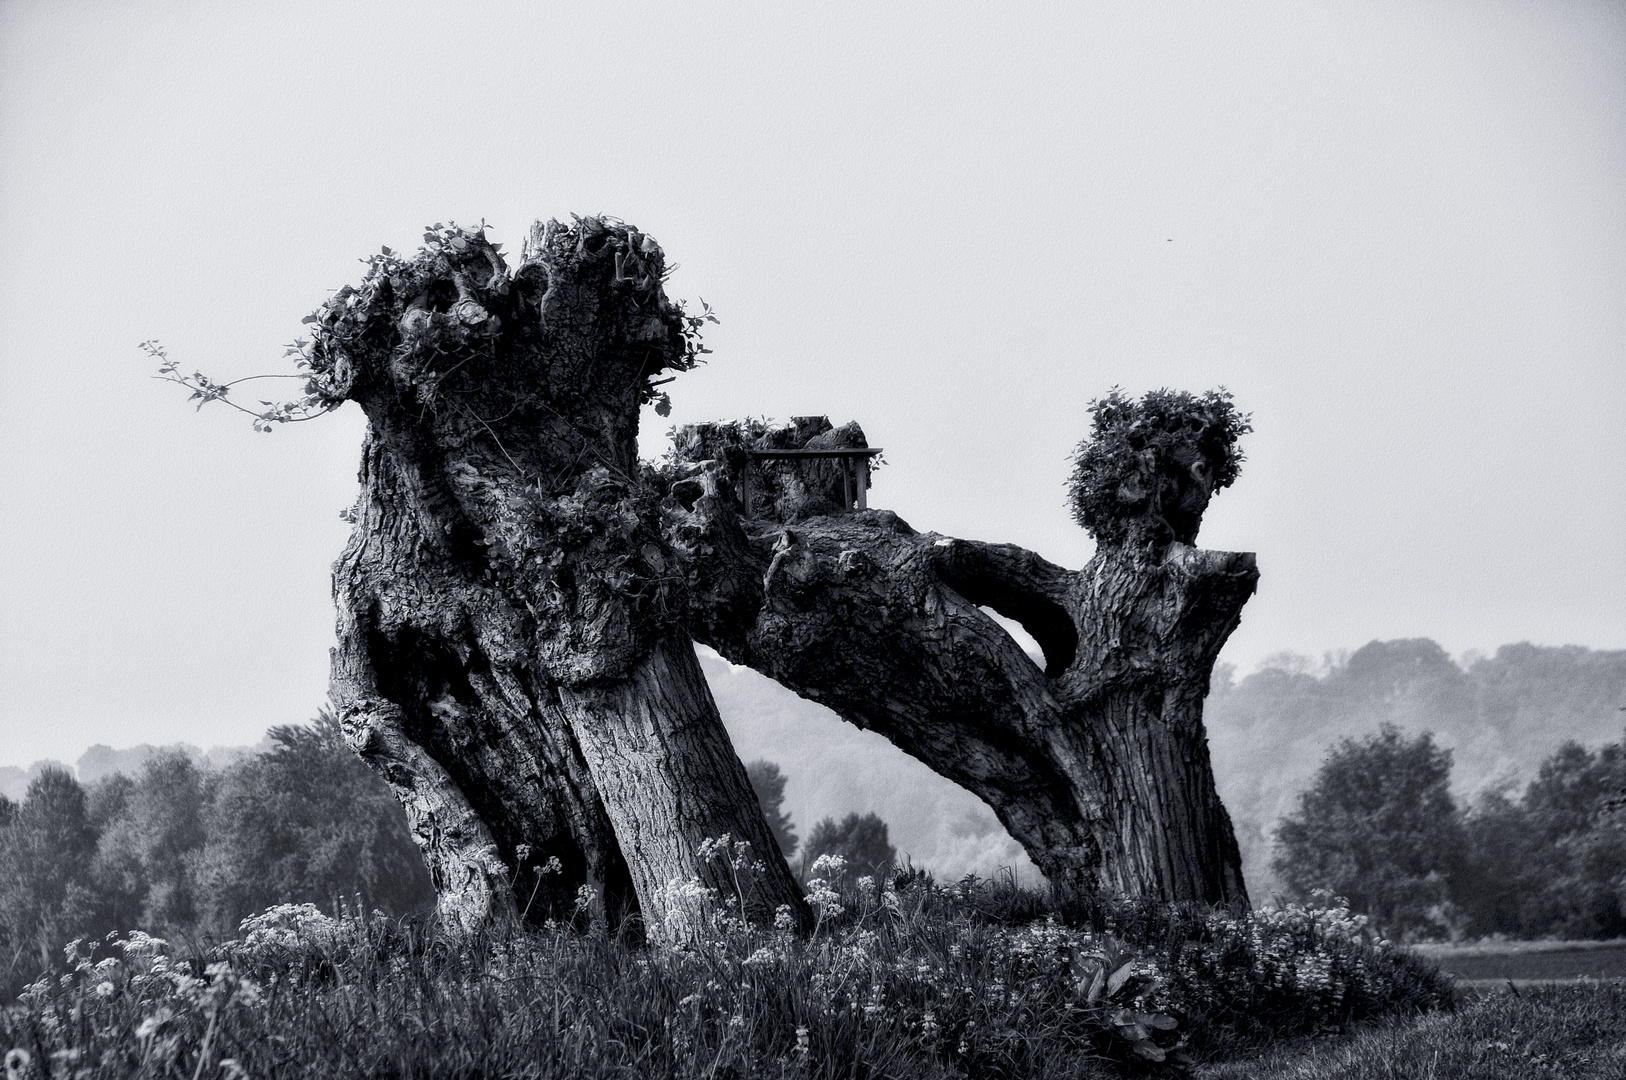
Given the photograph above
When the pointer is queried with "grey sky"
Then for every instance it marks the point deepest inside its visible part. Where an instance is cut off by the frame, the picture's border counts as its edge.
(1396, 231)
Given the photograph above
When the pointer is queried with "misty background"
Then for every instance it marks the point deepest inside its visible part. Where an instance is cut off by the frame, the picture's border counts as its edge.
(1501, 717)
(1397, 232)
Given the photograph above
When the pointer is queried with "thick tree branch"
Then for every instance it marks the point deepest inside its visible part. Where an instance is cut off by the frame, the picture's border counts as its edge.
(1096, 764)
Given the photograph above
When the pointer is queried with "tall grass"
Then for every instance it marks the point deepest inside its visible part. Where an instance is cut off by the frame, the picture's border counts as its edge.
(902, 978)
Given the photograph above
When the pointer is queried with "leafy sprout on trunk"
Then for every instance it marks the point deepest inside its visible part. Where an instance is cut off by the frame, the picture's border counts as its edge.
(429, 305)
(1145, 474)
(205, 389)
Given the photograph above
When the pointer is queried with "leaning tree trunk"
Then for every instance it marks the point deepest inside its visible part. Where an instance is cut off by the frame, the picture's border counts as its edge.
(1097, 763)
(518, 598)
(512, 657)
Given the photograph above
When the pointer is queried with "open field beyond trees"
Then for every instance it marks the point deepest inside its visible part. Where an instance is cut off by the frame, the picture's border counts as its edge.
(1576, 1031)
(1521, 961)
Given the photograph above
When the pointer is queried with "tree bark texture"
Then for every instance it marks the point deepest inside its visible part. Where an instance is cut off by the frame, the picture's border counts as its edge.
(1097, 763)
(519, 597)
(512, 657)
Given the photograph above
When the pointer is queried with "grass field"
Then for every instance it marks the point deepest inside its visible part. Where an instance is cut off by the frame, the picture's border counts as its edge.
(1577, 1032)
(1525, 961)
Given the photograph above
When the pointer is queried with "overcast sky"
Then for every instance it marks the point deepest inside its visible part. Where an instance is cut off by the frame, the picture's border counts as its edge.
(1397, 232)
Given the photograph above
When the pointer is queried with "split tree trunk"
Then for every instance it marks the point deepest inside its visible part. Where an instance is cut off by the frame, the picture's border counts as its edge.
(511, 653)
(517, 602)
(1097, 763)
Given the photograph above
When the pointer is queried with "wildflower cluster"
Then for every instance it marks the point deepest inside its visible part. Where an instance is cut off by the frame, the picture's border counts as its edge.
(902, 977)
(1291, 960)
(1289, 970)
(822, 894)
(696, 912)
(136, 1009)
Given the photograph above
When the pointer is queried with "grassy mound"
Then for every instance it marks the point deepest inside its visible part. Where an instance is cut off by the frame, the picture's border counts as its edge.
(901, 978)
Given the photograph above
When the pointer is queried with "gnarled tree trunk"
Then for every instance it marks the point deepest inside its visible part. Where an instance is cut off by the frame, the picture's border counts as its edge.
(517, 603)
(511, 651)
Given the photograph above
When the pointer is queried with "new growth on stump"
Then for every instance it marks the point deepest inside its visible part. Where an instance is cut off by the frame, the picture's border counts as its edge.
(519, 598)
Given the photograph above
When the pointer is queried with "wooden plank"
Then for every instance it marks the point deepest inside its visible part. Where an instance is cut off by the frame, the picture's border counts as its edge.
(843, 452)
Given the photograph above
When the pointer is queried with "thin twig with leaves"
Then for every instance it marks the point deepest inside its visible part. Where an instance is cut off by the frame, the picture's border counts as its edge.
(204, 389)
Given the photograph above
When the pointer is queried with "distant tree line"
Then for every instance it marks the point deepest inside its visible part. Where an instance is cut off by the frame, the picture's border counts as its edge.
(1500, 714)
(186, 853)
(861, 839)
(1380, 827)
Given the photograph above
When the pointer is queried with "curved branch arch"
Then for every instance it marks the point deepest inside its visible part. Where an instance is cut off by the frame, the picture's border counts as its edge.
(1097, 764)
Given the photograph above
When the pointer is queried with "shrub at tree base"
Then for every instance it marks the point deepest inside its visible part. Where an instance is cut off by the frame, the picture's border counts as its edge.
(1275, 972)
(906, 978)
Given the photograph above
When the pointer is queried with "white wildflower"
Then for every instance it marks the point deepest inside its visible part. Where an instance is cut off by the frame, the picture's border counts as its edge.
(829, 866)
(688, 904)
(17, 1062)
(763, 957)
(149, 1027)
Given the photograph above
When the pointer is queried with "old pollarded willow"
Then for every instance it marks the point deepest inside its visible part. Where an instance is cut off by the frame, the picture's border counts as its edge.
(519, 598)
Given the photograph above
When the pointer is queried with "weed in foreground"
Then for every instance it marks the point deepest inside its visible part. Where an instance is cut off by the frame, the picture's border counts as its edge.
(902, 977)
